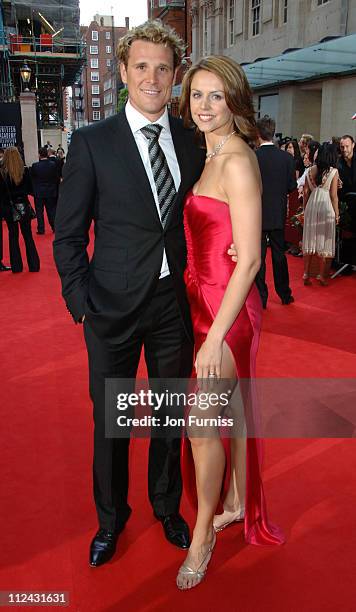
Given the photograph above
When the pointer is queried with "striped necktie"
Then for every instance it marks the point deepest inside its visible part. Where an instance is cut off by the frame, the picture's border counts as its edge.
(163, 179)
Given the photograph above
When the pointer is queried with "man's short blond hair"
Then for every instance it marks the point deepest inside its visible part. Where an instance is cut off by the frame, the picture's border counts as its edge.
(152, 31)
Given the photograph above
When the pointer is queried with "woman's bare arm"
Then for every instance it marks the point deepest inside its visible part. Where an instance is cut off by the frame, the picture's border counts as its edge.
(241, 183)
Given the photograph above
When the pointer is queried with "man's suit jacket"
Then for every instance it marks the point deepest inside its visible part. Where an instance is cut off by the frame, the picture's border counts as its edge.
(44, 175)
(104, 180)
(278, 179)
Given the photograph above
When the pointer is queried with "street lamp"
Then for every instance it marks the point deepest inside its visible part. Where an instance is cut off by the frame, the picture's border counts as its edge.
(25, 72)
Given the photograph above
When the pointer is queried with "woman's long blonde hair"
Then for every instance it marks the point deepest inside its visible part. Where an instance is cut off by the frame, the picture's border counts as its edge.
(13, 165)
(238, 94)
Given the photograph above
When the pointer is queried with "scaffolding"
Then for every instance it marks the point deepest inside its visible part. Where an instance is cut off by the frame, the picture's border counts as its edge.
(46, 35)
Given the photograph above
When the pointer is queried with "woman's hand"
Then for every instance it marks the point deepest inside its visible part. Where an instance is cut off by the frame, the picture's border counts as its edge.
(208, 360)
(232, 252)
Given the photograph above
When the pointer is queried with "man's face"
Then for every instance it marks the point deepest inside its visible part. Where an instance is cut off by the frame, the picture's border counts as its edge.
(302, 146)
(149, 76)
(347, 148)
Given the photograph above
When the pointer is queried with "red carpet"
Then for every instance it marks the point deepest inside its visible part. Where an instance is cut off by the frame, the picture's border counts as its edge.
(47, 515)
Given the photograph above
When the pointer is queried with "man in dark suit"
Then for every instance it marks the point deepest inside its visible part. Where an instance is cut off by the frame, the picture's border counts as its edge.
(44, 175)
(129, 174)
(347, 193)
(278, 179)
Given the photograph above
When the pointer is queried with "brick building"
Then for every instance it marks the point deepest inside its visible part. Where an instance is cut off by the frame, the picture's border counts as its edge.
(95, 93)
(176, 14)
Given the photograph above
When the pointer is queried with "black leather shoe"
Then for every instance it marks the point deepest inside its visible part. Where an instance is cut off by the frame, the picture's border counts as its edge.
(287, 301)
(103, 547)
(175, 529)
(4, 268)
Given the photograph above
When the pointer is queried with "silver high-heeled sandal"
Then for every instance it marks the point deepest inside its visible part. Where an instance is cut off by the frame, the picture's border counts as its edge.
(232, 517)
(187, 572)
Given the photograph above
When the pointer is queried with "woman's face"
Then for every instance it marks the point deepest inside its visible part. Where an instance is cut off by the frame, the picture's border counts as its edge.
(290, 148)
(208, 106)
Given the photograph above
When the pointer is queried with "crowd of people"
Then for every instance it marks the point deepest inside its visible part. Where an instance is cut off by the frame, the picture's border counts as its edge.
(323, 196)
(17, 182)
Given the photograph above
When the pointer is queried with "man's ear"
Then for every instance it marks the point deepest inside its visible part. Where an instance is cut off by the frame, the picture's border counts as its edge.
(123, 73)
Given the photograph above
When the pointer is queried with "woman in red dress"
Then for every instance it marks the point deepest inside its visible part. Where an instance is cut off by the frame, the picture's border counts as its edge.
(224, 207)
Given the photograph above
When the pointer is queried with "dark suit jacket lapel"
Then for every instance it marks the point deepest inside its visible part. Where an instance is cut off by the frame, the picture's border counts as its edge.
(124, 147)
(182, 154)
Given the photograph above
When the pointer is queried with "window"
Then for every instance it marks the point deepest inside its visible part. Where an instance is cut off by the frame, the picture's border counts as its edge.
(107, 84)
(93, 49)
(107, 35)
(256, 17)
(285, 11)
(94, 76)
(230, 23)
(320, 2)
(108, 98)
(95, 102)
(95, 35)
(78, 104)
(96, 115)
(94, 62)
(108, 63)
(108, 48)
(95, 89)
(205, 30)
(77, 91)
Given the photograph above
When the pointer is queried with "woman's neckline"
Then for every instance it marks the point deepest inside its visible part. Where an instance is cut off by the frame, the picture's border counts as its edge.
(198, 195)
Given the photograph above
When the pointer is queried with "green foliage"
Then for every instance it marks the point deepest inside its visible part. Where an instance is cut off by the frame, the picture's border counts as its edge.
(122, 99)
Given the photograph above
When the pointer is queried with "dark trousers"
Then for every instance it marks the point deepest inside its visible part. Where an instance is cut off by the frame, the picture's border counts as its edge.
(279, 264)
(168, 354)
(1, 241)
(33, 259)
(50, 205)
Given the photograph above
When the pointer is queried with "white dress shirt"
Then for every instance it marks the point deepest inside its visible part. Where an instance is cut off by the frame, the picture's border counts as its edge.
(137, 121)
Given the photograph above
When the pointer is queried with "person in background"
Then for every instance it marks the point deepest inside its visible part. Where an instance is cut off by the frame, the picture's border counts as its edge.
(292, 148)
(278, 179)
(303, 143)
(321, 212)
(15, 185)
(308, 160)
(61, 161)
(347, 185)
(44, 177)
(3, 268)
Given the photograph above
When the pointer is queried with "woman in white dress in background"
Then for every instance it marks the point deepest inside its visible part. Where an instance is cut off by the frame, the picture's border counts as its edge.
(321, 212)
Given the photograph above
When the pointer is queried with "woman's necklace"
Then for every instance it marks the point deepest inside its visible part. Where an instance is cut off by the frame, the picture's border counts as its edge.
(219, 146)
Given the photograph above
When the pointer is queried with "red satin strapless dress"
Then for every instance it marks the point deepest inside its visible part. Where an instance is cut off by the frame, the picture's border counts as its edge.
(208, 235)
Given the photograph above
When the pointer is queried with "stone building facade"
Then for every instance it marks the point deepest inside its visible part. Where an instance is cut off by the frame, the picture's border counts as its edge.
(251, 30)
